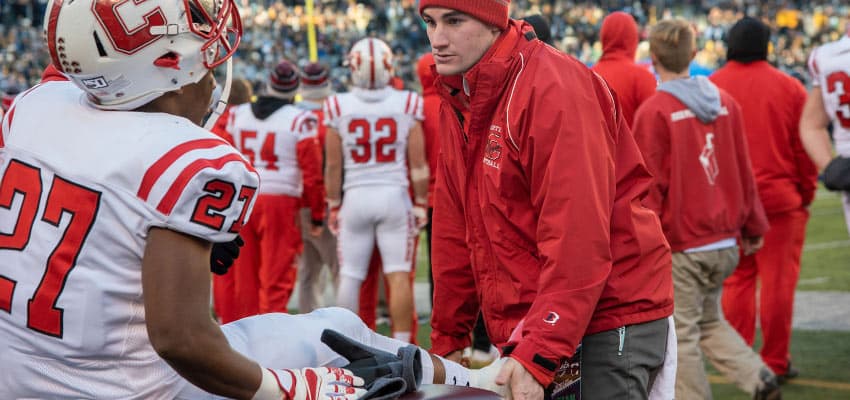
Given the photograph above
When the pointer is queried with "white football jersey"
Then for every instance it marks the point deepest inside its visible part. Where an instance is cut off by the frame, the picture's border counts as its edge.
(829, 67)
(374, 126)
(80, 189)
(271, 145)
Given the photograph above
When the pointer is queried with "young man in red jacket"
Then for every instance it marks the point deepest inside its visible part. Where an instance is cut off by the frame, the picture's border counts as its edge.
(632, 83)
(537, 213)
(786, 180)
(691, 135)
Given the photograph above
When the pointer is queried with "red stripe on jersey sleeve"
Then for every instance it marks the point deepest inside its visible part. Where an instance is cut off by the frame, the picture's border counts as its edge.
(166, 205)
(298, 120)
(336, 105)
(415, 106)
(160, 166)
(407, 105)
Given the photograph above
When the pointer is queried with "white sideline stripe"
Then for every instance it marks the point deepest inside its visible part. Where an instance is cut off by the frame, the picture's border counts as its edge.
(836, 244)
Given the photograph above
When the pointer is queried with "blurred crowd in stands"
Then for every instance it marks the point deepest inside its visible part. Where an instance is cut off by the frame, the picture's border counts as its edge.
(276, 29)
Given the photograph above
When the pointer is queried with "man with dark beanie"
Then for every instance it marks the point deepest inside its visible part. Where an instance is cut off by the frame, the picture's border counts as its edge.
(632, 84)
(786, 180)
(541, 27)
(537, 215)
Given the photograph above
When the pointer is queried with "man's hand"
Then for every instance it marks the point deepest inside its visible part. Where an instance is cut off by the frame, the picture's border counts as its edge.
(522, 383)
(457, 356)
(319, 384)
(316, 228)
(223, 255)
(751, 245)
(333, 220)
(420, 212)
(485, 378)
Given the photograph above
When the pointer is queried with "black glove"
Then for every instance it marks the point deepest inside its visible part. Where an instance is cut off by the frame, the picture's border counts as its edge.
(836, 175)
(372, 364)
(223, 254)
(385, 388)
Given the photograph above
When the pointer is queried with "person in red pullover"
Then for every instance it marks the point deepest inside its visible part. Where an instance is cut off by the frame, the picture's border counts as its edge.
(631, 83)
(280, 141)
(786, 180)
(537, 214)
(691, 136)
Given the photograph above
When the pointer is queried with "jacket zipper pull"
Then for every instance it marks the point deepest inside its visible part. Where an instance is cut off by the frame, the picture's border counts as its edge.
(622, 332)
(461, 120)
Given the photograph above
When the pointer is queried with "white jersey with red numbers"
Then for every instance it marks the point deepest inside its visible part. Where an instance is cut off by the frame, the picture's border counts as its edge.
(373, 126)
(829, 66)
(270, 145)
(80, 190)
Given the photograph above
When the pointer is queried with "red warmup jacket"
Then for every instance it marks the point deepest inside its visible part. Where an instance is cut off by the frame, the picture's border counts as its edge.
(537, 209)
(786, 176)
(632, 84)
(431, 124)
(704, 190)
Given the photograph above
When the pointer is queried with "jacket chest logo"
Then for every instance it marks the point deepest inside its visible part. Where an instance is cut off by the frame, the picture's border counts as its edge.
(493, 149)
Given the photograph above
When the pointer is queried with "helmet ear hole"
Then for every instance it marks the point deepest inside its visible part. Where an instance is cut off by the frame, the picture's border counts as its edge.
(101, 51)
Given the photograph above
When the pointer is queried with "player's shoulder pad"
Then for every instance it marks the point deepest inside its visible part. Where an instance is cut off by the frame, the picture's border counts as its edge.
(200, 186)
(413, 104)
(331, 109)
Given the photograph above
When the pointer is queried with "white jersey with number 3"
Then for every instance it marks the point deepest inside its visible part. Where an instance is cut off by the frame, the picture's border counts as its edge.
(373, 126)
(80, 190)
(829, 66)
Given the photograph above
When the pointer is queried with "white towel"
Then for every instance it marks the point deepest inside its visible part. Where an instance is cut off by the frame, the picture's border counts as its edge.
(664, 387)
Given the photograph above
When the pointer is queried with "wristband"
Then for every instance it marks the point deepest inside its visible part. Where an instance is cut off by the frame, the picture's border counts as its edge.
(269, 387)
(334, 203)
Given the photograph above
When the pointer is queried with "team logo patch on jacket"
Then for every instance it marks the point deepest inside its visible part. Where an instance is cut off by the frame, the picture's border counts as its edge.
(493, 150)
(551, 318)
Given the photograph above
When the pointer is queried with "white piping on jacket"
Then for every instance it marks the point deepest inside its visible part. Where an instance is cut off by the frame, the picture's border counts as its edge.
(508, 108)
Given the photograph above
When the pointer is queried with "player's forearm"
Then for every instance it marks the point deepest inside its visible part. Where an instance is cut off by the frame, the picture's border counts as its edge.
(420, 188)
(816, 142)
(204, 358)
(333, 182)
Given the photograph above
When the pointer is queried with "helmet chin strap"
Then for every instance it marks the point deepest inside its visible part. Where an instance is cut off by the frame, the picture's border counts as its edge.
(219, 106)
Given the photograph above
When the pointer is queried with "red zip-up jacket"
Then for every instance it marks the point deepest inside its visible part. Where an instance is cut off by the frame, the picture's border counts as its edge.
(704, 189)
(786, 177)
(537, 209)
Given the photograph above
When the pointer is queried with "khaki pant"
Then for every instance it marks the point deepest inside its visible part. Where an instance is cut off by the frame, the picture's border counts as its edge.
(701, 327)
(317, 265)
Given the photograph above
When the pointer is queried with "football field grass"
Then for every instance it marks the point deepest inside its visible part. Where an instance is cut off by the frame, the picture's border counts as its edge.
(823, 357)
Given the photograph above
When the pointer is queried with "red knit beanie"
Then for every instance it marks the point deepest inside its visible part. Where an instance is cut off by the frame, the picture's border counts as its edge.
(491, 12)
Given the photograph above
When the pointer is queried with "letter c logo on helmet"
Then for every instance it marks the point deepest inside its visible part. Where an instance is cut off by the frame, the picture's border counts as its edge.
(137, 50)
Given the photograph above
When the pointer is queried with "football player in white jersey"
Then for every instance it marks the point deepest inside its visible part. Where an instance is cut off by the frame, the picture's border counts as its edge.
(829, 102)
(280, 141)
(375, 138)
(110, 197)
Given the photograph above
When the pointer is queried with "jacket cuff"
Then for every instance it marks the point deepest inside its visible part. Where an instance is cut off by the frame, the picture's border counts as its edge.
(542, 368)
(443, 345)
